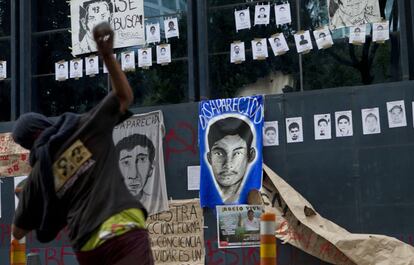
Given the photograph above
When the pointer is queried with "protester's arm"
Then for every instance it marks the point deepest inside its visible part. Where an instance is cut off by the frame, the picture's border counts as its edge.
(104, 38)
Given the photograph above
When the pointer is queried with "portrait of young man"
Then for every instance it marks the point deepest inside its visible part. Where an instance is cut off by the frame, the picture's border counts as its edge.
(92, 13)
(136, 162)
(230, 152)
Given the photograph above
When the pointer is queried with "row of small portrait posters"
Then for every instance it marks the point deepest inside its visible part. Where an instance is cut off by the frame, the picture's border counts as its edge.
(128, 59)
(323, 124)
(303, 41)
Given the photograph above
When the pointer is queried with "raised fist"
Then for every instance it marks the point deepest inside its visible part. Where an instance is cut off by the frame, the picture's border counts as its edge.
(104, 38)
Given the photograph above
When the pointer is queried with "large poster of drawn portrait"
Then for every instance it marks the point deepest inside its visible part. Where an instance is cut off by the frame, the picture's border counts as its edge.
(138, 143)
(230, 139)
(346, 13)
(125, 17)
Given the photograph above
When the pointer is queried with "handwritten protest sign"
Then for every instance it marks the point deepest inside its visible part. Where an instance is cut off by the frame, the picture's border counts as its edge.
(125, 17)
(14, 160)
(177, 234)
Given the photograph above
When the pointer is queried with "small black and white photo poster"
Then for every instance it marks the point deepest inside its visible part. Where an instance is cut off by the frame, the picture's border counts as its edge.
(242, 18)
(278, 44)
(3, 70)
(128, 61)
(259, 49)
(153, 33)
(270, 133)
(163, 54)
(294, 130)
(171, 28)
(357, 34)
(76, 68)
(380, 31)
(237, 52)
(92, 65)
(262, 14)
(303, 41)
(323, 38)
(322, 125)
(61, 70)
(343, 122)
(282, 13)
(396, 114)
(370, 121)
(144, 57)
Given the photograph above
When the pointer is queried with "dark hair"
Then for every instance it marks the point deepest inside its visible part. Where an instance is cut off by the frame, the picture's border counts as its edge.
(241, 13)
(171, 23)
(259, 42)
(322, 34)
(322, 120)
(129, 142)
(371, 115)
(229, 126)
(262, 8)
(270, 128)
(152, 27)
(396, 107)
(91, 59)
(343, 117)
(88, 3)
(293, 125)
(250, 211)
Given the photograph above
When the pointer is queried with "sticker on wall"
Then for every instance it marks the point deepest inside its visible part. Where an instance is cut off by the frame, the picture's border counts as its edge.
(91, 65)
(323, 38)
(237, 52)
(396, 114)
(271, 133)
(128, 61)
(171, 28)
(145, 57)
(262, 14)
(322, 126)
(352, 12)
(370, 121)
(259, 49)
(303, 41)
(153, 33)
(242, 18)
(164, 54)
(61, 70)
(380, 31)
(278, 44)
(294, 130)
(282, 13)
(357, 34)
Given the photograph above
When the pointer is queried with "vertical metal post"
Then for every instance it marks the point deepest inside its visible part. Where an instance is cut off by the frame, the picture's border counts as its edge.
(202, 49)
(25, 73)
(300, 55)
(190, 51)
(404, 35)
(13, 63)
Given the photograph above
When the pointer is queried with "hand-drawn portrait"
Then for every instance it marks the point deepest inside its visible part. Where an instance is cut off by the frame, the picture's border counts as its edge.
(346, 13)
(138, 144)
(230, 150)
(262, 14)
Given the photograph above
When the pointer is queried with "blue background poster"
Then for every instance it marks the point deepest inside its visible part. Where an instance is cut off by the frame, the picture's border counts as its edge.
(230, 141)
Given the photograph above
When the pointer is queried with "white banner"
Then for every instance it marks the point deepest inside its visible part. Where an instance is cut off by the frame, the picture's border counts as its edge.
(125, 17)
(138, 142)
